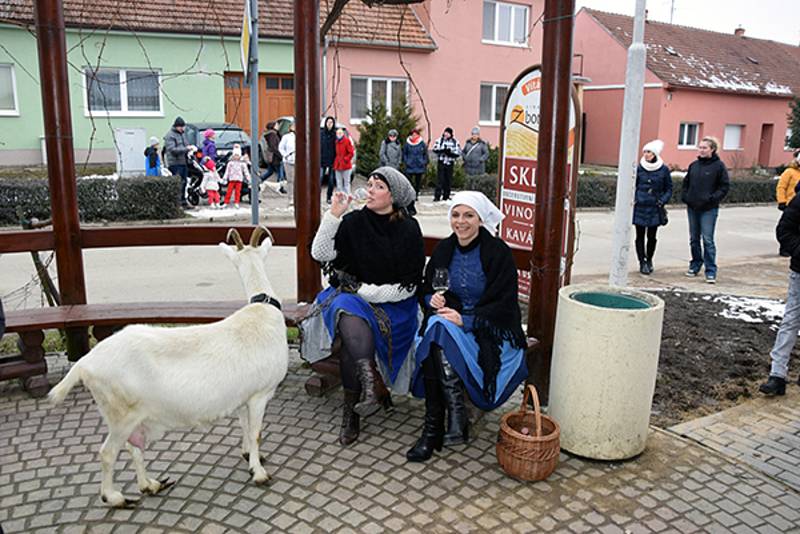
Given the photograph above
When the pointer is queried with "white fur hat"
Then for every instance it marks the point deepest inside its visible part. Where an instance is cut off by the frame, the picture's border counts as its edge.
(655, 146)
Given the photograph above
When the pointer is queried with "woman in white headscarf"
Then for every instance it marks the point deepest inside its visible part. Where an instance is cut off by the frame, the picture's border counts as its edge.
(471, 339)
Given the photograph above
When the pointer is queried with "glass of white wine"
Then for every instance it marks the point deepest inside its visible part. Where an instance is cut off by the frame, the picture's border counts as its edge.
(441, 280)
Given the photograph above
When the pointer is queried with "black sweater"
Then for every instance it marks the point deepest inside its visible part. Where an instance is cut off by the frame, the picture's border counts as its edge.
(706, 184)
(788, 233)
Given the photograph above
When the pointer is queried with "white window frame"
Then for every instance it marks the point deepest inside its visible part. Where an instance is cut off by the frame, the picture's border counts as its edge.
(495, 40)
(388, 103)
(725, 138)
(494, 87)
(11, 112)
(786, 138)
(123, 95)
(683, 146)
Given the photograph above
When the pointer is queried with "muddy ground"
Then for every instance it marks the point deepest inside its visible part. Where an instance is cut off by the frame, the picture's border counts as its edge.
(709, 362)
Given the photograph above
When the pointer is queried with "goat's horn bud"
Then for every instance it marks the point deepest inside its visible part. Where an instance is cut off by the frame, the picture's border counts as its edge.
(258, 233)
(233, 233)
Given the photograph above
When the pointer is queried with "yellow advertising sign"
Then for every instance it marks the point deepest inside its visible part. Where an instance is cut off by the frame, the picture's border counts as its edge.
(245, 41)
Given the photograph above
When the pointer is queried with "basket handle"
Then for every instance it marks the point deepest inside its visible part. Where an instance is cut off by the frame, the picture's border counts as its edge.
(530, 391)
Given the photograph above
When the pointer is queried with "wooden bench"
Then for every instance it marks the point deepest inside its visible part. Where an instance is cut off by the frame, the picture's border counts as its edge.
(328, 377)
(104, 319)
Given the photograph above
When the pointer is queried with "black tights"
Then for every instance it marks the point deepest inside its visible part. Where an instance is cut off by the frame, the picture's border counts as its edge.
(357, 344)
(646, 252)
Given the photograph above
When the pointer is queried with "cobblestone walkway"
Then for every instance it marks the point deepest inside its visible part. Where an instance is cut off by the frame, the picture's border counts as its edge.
(764, 434)
(49, 478)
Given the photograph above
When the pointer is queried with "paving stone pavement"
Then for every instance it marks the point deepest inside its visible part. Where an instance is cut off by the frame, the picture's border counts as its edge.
(49, 478)
(764, 434)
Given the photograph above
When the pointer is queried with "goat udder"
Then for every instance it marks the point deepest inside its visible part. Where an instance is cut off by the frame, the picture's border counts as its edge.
(137, 438)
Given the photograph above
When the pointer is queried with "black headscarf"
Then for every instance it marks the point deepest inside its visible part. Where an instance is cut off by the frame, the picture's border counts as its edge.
(378, 249)
(497, 315)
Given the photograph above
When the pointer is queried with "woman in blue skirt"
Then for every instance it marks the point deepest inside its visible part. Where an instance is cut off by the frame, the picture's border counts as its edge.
(472, 336)
(374, 259)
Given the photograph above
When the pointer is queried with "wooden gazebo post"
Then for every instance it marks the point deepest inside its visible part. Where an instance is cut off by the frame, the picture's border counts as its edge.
(307, 156)
(551, 184)
(50, 36)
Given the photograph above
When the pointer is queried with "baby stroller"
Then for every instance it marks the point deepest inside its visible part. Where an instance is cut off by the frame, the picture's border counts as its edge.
(194, 178)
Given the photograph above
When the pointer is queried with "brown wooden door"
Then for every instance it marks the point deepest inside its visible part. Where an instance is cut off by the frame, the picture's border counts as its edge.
(278, 91)
(276, 98)
(237, 100)
(765, 145)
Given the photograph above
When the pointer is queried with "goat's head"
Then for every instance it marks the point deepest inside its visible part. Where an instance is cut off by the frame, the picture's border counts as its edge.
(250, 259)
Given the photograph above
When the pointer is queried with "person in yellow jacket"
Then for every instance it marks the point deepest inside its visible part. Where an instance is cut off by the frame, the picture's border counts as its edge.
(785, 191)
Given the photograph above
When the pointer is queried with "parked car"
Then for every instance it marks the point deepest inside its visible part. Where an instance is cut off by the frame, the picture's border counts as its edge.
(227, 135)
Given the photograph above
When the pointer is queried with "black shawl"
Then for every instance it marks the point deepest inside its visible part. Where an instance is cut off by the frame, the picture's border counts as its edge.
(497, 314)
(378, 249)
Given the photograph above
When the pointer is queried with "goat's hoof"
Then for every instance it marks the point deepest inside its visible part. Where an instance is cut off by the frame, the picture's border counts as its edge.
(157, 486)
(118, 500)
(246, 456)
(261, 480)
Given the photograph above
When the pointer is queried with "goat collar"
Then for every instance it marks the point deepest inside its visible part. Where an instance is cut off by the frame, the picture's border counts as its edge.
(263, 297)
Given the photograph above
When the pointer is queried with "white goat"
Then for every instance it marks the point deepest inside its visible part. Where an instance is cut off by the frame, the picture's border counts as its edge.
(146, 379)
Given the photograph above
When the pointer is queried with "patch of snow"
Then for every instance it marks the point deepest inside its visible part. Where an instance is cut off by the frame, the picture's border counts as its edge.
(223, 213)
(750, 310)
(112, 176)
(775, 89)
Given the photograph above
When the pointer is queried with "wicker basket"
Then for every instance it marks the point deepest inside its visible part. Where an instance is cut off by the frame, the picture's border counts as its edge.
(528, 456)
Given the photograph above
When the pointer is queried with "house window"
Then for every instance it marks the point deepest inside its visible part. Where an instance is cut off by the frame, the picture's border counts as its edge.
(505, 23)
(366, 92)
(687, 135)
(8, 91)
(122, 92)
(733, 137)
(493, 96)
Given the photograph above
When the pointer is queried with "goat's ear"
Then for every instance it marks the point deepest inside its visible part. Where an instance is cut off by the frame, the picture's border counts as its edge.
(228, 251)
(265, 247)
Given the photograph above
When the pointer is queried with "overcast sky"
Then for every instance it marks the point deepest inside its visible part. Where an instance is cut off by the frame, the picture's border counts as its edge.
(778, 20)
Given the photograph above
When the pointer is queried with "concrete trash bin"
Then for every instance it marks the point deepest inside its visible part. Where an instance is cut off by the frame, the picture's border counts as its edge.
(605, 359)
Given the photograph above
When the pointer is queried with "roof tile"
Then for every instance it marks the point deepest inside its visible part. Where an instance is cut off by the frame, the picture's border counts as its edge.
(691, 57)
(358, 24)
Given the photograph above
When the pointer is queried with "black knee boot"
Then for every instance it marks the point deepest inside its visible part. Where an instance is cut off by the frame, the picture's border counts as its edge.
(651, 250)
(433, 427)
(350, 420)
(457, 416)
(374, 394)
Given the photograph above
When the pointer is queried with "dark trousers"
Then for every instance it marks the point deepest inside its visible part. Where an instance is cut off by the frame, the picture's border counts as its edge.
(183, 172)
(645, 250)
(444, 177)
(416, 180)
(328, 179)
(272, 168)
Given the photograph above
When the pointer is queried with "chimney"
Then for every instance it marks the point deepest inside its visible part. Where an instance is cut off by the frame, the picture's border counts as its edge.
(739, 32)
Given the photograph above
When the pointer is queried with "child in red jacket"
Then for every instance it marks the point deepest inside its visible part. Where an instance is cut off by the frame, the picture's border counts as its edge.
(343, 164)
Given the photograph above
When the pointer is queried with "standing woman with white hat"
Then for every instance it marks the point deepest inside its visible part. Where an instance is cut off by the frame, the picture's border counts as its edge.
(471, 339)
(653, 191)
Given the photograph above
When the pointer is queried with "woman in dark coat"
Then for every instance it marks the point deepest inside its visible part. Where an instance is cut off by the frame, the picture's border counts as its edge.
(653, 191)
(327, 146)
(415, 157)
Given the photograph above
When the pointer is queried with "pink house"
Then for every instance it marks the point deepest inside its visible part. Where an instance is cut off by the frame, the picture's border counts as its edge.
(697, 83)
(457, 57)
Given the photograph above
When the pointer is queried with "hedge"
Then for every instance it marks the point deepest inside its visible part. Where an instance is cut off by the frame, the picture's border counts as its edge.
(594, 191)
(99, 199)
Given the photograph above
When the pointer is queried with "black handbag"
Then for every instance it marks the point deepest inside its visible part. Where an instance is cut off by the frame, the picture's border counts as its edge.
(663, 218)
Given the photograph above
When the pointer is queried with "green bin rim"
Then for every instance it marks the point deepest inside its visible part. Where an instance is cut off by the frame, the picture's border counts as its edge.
(611, 300)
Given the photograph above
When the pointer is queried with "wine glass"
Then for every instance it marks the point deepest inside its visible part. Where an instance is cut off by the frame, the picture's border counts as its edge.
(360, 194)
(441, 280)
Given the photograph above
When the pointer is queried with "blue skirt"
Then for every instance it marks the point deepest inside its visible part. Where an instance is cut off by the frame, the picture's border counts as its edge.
(461, 350)
(402, 318)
